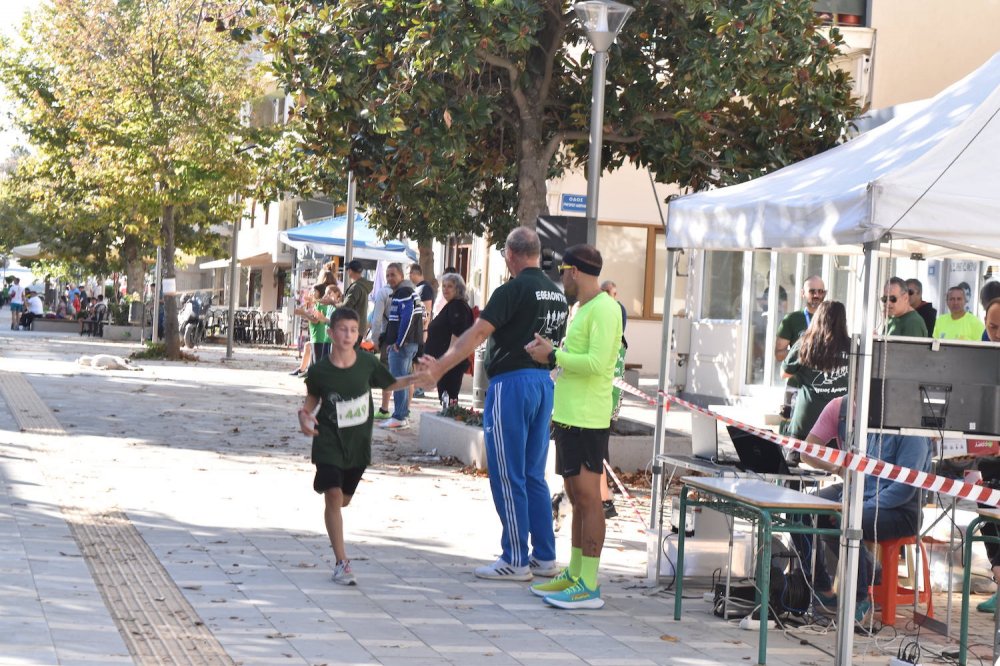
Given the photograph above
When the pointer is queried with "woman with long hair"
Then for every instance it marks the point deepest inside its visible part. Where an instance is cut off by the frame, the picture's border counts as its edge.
(818, 361)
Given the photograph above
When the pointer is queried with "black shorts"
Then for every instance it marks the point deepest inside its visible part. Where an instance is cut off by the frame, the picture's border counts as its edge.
(576, 447)
(331, 476)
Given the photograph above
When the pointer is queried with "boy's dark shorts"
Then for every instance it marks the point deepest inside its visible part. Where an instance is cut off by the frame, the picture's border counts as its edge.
(331, 476)
(576, 447)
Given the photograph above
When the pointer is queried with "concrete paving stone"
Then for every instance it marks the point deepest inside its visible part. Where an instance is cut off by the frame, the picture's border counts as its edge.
(533, 657)
(29, 654)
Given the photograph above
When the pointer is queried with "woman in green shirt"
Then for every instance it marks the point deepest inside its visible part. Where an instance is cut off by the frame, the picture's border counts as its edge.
(819, 362)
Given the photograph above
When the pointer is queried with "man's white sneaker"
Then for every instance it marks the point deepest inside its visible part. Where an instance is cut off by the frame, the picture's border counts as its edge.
(500, 570)
(395, 424)
(544, 568)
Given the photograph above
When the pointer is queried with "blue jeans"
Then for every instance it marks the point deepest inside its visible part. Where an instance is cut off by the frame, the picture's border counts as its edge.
(400, 363)
(891, 524)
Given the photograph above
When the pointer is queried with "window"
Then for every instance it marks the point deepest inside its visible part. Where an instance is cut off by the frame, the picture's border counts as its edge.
(635, 260)
(722, 288)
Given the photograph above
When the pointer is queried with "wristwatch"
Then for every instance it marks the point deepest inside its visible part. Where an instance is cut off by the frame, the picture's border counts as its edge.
(552, 356)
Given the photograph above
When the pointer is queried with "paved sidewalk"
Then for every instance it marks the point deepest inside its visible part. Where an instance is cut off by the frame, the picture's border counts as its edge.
(174, 522)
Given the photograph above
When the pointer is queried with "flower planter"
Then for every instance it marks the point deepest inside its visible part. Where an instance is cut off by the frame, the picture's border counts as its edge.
(453, 438)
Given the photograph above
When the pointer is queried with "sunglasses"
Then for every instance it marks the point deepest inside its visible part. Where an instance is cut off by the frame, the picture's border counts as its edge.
(564, 267)
(891, 299)
(818, 292)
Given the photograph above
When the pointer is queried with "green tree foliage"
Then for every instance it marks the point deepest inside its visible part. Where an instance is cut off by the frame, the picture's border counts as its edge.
(453, 113)
(132, 110)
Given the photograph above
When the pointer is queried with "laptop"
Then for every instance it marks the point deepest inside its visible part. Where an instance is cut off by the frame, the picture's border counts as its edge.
(758, 454)
(704, 436)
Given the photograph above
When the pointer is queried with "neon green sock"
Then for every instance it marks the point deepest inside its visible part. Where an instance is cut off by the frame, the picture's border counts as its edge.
(575, 561)
(588, 571)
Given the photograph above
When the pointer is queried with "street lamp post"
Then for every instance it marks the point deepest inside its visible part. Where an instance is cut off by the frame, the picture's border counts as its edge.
(601, 19)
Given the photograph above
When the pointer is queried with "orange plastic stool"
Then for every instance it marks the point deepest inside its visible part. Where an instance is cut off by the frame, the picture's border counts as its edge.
(888, 593)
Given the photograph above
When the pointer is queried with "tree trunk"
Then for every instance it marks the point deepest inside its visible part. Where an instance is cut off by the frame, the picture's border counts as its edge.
(171, 332)
(426, 260)
(134, 267)
(531, 173)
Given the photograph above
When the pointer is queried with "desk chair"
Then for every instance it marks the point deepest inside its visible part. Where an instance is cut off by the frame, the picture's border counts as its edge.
(889, 593)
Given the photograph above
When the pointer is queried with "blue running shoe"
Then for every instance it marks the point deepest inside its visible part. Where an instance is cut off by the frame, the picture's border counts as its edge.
(578, 596)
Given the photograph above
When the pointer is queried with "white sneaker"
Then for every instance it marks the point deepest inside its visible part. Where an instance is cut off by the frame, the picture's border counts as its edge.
(343, 574)
(544, 568)
(396, 424)
(500, 570)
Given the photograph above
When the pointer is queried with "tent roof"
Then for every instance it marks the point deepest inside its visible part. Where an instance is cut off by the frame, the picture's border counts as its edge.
(328, 236)
(925, 176)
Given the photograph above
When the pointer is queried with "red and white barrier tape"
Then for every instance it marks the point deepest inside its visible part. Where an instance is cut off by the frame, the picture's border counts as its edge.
(863, 464)
(621, 488)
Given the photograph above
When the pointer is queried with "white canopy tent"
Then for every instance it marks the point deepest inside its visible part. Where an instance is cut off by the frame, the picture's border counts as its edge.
(927, 178)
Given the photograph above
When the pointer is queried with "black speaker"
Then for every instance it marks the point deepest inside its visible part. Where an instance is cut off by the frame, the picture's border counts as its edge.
(558, 232)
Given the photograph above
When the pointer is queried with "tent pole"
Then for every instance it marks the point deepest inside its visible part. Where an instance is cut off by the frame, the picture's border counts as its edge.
(349, 244)
(653, 547)
(856, 442)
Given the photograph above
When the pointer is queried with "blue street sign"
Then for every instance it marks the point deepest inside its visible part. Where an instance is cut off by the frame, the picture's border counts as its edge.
(574, 202)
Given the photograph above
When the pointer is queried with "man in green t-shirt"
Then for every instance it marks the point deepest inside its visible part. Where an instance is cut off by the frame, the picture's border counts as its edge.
(794, 324)
(340, 385)
(581, 421)
(901, 318)
(958, 324)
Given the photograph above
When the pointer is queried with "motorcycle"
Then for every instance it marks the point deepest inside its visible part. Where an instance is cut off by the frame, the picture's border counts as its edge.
(192, 320)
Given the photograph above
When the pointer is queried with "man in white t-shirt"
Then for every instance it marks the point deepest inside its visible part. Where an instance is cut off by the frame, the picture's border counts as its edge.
(16, 293)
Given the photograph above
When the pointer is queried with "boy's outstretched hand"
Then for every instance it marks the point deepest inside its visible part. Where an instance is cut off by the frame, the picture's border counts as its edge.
(307, 423)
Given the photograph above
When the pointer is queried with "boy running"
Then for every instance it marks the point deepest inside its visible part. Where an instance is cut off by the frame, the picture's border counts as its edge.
(340, 385)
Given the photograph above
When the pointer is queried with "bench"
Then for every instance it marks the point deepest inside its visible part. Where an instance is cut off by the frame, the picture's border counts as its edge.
(50, 325)
(95, 326)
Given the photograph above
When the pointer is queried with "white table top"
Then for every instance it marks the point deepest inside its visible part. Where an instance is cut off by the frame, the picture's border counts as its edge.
(760, 493)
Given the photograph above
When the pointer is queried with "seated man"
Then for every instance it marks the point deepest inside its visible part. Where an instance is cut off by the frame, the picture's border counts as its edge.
(890, 510)
(33, 308)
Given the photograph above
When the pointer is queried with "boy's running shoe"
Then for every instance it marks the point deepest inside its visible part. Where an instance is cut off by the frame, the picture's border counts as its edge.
(342, 574)
(577, 596)
(561, 582)
(396, 424)
(500, 570)
(543, 568)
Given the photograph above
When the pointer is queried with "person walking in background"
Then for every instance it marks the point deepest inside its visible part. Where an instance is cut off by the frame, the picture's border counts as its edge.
(901, 319)
(454, 319)
(927, 312)
(356, 296)
(405, 336)
(959, 323)
(379, 322)
(581, 421)
(518, 406)
(16, 294)
(819, 364)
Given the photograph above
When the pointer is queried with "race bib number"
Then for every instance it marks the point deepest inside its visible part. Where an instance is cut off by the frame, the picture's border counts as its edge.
(352, 412)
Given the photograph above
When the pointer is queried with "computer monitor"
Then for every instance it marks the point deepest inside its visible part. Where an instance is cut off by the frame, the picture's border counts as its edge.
(935, 385)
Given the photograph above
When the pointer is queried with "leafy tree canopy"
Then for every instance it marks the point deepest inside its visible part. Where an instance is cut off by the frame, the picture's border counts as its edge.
(133, 112)
(453, 113)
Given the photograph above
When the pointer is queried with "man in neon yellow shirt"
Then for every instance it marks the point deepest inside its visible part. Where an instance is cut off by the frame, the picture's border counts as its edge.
(581, 421)
(958, 324)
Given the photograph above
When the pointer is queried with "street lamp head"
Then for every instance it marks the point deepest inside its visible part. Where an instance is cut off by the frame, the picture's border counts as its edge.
(602, 19)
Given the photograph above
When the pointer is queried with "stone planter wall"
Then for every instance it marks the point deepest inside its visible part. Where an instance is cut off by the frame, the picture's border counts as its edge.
(122, 333)
(453, 438)
(43, 325)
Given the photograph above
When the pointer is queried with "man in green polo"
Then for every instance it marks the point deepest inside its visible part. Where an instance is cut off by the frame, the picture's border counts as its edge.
(901, 318)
